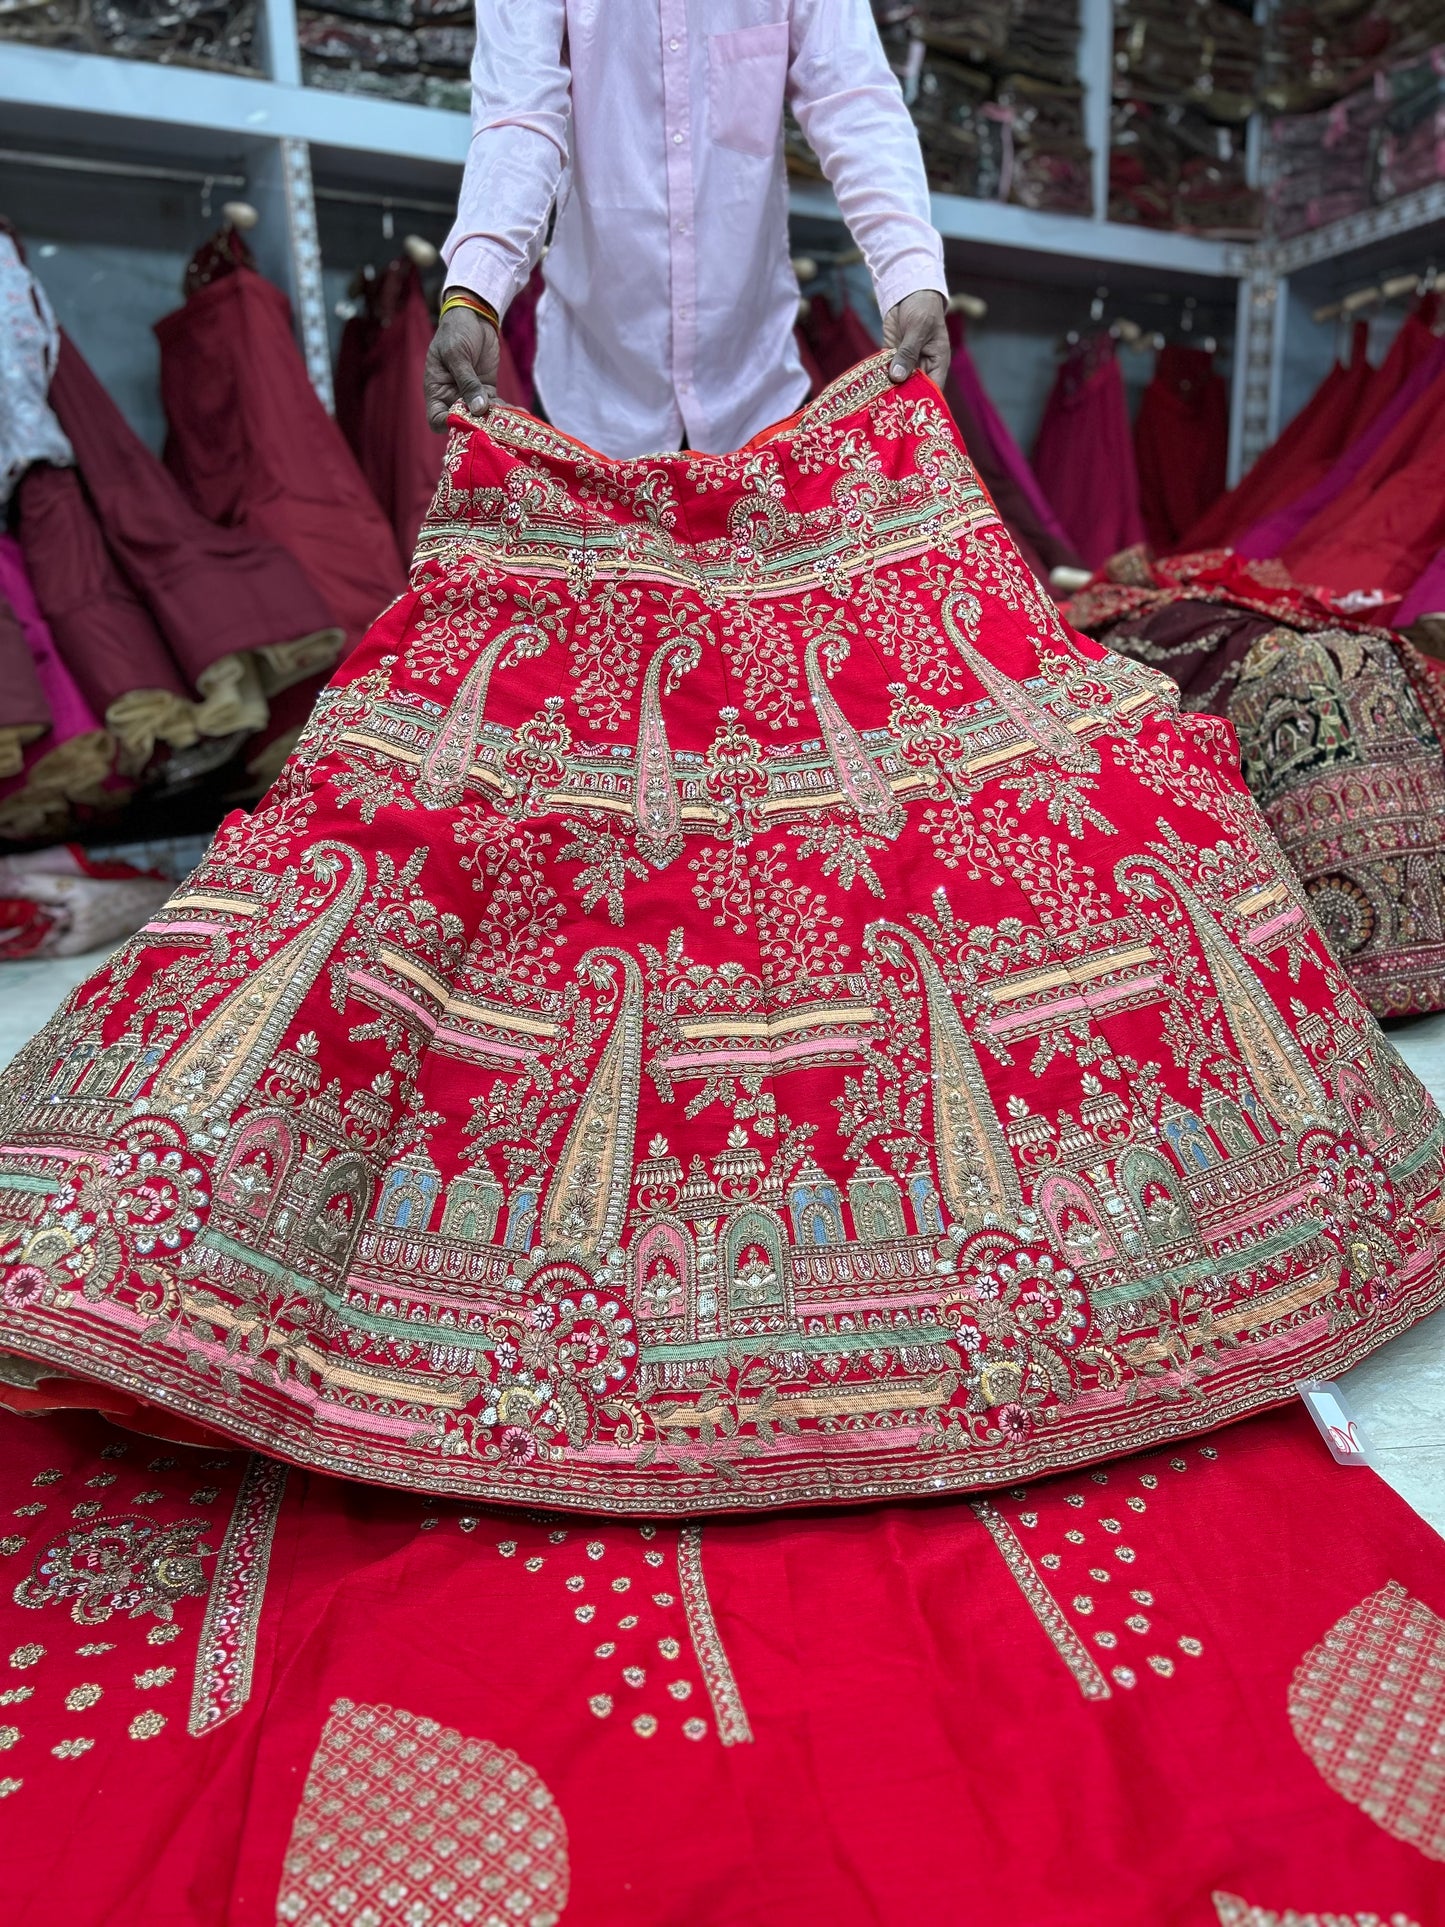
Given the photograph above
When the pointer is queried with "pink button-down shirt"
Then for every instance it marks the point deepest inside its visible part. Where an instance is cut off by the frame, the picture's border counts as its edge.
(656, 127)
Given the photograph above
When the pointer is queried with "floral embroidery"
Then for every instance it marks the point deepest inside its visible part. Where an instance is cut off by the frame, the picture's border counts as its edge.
(118, 1565)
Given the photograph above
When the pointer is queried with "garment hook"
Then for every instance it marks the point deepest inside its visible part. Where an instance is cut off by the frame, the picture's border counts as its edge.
(388, 224)
(206, 185)
(1096, 306)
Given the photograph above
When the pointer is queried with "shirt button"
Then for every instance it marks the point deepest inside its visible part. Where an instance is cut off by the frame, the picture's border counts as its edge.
(673, 45)
(682, 227)
(677, 140)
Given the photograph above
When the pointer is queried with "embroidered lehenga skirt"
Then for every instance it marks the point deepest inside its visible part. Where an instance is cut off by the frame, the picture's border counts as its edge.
(730, 1004)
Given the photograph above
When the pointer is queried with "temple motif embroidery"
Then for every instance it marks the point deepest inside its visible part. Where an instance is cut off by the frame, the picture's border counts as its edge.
(1368, 1707)
(403, 1820)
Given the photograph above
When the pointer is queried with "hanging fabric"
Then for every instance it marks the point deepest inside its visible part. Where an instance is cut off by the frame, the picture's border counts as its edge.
(253, 446)
(1377, 534)
(1181, 443)
(1290, 524)
(29, 343)
(104, 633)
(400, 453)
(24, 712)
(1001, 463)
(238, 614)
(670, 949)
(1295, 460)
(1084, 454)
(71, 762)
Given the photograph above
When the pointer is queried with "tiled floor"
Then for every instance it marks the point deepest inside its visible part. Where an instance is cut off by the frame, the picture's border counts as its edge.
(1398, 1395)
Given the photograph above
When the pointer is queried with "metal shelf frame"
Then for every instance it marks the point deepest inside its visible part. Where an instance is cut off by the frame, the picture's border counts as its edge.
(276, 130)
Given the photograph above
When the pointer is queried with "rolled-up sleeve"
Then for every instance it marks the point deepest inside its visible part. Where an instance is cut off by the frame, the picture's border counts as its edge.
(849, 105)
(521, 108)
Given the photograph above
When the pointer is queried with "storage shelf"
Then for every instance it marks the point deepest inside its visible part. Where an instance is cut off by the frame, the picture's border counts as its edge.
(70, 96)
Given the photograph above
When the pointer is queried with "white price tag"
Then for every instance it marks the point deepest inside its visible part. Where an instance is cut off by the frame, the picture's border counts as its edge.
(1325, 1403)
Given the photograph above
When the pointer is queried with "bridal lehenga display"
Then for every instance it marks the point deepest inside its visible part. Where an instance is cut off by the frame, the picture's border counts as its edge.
(731, 1006)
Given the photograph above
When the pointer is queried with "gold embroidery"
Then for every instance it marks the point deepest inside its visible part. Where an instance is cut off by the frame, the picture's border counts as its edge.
(1368, 1707)
(1066, 1642)
(1234, 1912)
(587, 1201)
(81, 1698)
(717, 1674)
(403, 1819)
(227, 1649)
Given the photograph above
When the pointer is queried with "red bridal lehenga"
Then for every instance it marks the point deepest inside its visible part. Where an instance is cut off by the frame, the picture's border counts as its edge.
(730, 1005)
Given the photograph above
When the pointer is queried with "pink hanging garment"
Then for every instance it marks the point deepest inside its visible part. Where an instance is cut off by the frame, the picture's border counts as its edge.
(1273, 535)
(1084, 455)
(71, 762)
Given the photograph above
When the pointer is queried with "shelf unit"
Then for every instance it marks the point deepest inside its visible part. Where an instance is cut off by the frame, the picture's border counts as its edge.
(283, 137)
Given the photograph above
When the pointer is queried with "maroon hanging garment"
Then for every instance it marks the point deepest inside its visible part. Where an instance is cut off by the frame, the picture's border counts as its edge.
(216, 594)
(348, 380)
(103, 633)
(401, 454)
(1181, 443)
(253, 446)
(1084, 455)
(1001, 465)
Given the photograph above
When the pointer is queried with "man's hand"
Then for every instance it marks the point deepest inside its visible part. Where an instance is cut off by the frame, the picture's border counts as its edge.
(461, 366)
(918, 335)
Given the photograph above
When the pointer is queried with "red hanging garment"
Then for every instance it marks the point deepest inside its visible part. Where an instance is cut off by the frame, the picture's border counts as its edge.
(348, 378)
(245, 1695)
(1084, 455)
(255, 449)
(1295, 460)
(104, 634)
(217, 595)
(401, 454)
(519, 336)
(1378, 534)
(1001, 464)
(721, 930)
(1181, 442)
(839, 340)
(1414, 342)
(1281, 530)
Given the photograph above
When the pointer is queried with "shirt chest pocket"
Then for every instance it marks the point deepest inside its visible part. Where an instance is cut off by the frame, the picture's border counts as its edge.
(747, 71)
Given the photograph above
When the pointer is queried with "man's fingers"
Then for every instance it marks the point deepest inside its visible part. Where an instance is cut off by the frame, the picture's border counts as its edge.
(461, 364)
(909, 351)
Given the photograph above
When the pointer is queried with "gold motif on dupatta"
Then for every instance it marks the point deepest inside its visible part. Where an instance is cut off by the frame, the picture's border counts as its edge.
(404, 1820)
(1368, 1707)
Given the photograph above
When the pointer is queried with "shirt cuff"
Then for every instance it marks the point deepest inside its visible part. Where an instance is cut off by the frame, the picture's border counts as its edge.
(920, 269)
(475, 265)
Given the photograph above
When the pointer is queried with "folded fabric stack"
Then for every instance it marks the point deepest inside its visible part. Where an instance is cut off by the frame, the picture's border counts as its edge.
(999, 106)
(1183, 88)
(1317, 51)
(1323, 163)
(189, 33)
(1412, 147)
(413, 50)
(1383, 139)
